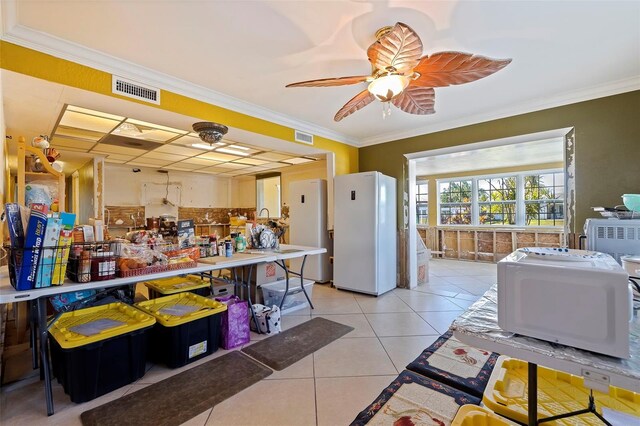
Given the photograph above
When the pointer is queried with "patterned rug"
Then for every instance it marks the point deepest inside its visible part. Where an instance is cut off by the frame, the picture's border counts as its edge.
(411, 400)
(458, 365)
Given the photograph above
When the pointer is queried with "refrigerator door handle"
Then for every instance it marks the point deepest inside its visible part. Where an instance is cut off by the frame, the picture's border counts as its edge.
(353, 195)
(302, 199)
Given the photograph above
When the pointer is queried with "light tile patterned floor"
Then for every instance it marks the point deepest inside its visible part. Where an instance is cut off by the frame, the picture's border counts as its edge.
(327, 388)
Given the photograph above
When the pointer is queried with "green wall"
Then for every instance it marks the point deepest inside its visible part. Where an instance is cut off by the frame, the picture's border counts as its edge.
(607, 147)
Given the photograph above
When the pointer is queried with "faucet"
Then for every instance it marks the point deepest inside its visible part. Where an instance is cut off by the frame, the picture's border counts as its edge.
(268, 215)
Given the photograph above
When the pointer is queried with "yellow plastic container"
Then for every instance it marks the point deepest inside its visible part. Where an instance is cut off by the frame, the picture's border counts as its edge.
(167, 309)
(168, 286)
(473, 415)
(123, 318)
(558, 393)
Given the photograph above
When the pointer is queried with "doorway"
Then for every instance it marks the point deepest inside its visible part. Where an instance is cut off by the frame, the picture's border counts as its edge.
(467, 192)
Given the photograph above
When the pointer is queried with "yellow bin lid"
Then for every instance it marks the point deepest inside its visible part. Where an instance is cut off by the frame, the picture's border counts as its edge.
(181, 308)
(176, 284)
(89, 325)
(473, 415)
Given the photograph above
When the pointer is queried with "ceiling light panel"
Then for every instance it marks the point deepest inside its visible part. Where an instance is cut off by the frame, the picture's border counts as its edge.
(232, 151)
(163, 156)
(157, 126)
(297, 160)
(94, 112)
(113, 149)
(78, 133)
(178, 150)
(187, 140)
(251, 161)
(88, 122)
(218, 157)
(76, 144)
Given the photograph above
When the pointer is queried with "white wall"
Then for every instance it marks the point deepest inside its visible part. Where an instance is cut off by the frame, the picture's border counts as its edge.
(124, 188)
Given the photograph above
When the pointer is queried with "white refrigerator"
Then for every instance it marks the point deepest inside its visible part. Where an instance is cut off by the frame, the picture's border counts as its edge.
(365, 233)
(308, 226)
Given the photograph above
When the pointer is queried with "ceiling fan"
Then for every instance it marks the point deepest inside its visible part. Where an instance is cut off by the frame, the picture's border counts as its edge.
(403, 77)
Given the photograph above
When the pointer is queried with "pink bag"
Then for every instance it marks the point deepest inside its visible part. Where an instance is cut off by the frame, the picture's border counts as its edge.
(235, 322)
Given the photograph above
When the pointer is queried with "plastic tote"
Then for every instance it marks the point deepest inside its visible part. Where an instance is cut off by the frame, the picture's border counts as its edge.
(187, 327)
(235, 322)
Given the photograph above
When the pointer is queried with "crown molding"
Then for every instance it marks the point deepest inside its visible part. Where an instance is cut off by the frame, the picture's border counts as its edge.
(60, 48)
(601, 91)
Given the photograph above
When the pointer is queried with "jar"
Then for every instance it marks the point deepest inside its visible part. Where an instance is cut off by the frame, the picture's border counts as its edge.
(103, 266)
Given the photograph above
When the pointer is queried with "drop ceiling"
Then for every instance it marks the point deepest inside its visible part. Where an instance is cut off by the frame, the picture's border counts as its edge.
(241, 54)
(125, 140)
(99, 125)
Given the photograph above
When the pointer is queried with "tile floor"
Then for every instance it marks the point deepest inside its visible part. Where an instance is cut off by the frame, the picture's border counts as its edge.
(328, 387)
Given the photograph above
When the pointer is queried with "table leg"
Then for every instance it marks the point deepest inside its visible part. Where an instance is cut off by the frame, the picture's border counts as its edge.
(33, 338)
(44, 353)
(532, 394)
(248, 285)
(304, 259)
(286, 288)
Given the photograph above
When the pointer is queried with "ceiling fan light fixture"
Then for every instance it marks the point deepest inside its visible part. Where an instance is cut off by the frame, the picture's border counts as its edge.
(387, 87)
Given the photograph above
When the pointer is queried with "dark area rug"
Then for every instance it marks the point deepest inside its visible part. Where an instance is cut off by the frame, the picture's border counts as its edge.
(290, 346)
(179, 398)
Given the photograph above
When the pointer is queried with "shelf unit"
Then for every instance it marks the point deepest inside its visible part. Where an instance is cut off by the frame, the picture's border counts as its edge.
(24, 176)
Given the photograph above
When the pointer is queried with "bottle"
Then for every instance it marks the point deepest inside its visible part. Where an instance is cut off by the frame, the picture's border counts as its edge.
(240, 243)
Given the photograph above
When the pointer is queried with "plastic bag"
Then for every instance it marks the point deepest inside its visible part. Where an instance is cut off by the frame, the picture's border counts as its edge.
(268, 319)
(235, 322)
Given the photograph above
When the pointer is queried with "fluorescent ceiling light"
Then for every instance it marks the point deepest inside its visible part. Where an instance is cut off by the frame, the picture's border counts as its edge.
(231, 151)
(244, 148)
(203, 146)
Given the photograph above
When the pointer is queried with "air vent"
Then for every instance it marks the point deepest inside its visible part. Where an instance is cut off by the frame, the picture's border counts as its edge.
(304, 137)
(131, 89)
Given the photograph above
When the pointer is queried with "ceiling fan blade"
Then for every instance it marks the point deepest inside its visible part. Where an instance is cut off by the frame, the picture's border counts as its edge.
(449, 68)
(325, 82)
(416, 100)
(400, 48)
(359, 101)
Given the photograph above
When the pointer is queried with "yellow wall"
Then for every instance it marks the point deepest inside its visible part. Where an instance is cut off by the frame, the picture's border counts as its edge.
(37, 64)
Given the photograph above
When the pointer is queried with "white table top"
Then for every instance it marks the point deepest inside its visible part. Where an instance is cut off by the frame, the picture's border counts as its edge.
(478, 327)
(8, 294)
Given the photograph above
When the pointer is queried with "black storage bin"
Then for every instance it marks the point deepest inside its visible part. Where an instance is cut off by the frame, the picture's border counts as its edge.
(180, 338)
(88, 367)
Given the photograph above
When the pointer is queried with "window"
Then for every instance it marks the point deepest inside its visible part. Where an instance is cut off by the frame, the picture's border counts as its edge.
(455, 202)
(544, 199)
(497, 200)
(522, 199)
(422, 203)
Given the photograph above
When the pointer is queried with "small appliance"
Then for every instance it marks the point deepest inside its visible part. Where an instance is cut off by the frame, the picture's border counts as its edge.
(576, 298)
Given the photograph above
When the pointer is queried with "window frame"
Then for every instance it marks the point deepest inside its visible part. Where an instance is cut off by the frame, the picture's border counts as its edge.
(422, 203)
(520, 202)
